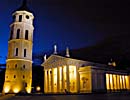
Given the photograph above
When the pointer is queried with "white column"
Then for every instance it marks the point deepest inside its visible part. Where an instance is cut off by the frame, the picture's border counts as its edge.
(109, 82)
(52, 77)
(113, 82)
(45, 81)
(49, 81)
(58, 80)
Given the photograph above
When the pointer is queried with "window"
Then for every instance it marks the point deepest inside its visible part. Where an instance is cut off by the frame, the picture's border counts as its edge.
(20, 18)
(24, 52)
(24, 66)
(26, 34)
(18, 32)
(6, 76)
(16, 54)
(23, 76)
(15, 65)
(27, 16)
(11, 34)
(14, 76)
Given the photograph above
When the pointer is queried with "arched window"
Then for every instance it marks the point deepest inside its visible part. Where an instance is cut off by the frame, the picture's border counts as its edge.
(16, 52)
(15, 65)
(24, 52)
(24, 66)
(23, 76)
(14, 76)
(20, 18)
(26, 34)
(18, 32)
(11, 35)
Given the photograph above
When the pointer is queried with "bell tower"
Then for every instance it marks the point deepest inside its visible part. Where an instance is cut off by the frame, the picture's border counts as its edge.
(18, 75)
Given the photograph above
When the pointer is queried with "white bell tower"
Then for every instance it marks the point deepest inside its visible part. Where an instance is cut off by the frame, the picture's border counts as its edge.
(18, 75)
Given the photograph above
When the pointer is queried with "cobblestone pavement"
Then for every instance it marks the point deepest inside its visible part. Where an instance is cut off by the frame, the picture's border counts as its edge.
(110, 96)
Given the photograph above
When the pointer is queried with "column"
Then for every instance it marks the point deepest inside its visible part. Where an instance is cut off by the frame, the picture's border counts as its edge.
(67, 78)
(52, 77)
(125, 82)
(122, 82)
(119, 83)
(58, 80)
(109, 82)
(49, 81)
(45, 81)
(113, 82)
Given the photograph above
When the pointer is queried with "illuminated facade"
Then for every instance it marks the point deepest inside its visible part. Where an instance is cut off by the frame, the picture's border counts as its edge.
(67, 75)
(18, 75)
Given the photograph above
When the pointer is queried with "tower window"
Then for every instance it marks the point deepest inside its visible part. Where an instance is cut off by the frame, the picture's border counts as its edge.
(11, 34)
(14, 76)
(16, 54)
(24, 52)
(15, 65)
(26, 34)
(27, 16)
(23, 76)
(20, 18)
(18, 32)
(24, 66)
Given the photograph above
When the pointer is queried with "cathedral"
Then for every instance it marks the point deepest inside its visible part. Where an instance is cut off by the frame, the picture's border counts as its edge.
(62, 74)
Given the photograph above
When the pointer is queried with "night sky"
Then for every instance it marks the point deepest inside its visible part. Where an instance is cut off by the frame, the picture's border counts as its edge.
(73, 23)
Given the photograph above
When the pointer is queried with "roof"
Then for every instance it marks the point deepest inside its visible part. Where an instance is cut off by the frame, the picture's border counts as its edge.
(56, 60)
(53, 59)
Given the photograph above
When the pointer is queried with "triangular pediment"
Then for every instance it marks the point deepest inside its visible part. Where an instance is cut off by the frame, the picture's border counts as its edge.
(56, 60)
(52, 59)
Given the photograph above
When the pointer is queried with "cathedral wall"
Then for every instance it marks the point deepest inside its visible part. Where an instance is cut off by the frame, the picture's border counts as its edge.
(98, 80)
(85, 75)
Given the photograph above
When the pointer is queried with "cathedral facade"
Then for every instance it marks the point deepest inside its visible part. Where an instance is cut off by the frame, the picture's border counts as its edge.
(18, 75)
(68, 75)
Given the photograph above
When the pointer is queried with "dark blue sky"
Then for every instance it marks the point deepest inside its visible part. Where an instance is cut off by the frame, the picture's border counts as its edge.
(73, 23)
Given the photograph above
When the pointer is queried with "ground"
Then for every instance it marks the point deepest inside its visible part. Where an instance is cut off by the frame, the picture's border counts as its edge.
(108, 96)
